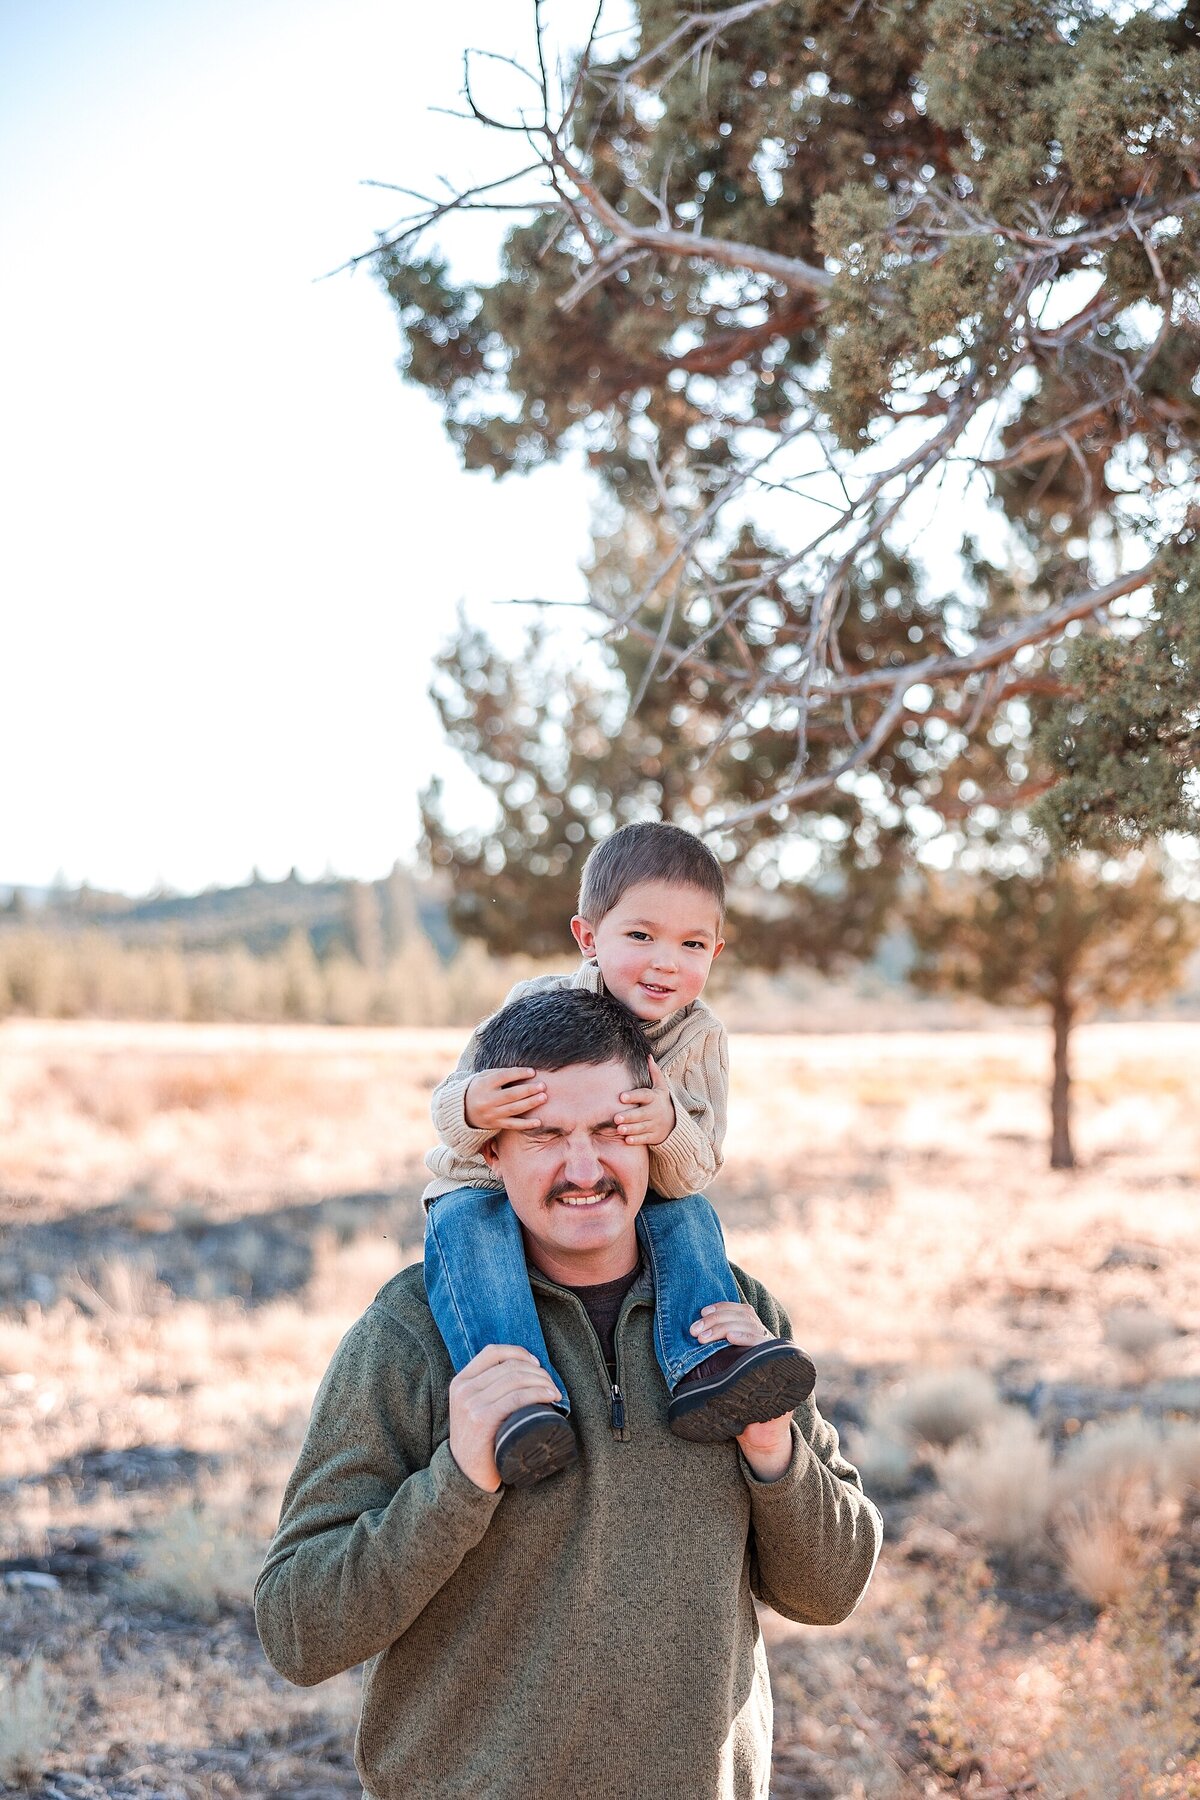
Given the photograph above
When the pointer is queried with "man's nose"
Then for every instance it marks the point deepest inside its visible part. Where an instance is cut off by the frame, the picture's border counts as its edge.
(582, 1167)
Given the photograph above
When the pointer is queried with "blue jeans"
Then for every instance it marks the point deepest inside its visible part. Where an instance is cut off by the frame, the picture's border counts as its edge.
(478, 1283)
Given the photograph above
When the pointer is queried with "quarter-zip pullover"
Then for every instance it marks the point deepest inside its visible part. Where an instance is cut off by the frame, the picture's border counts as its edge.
(593, 1636)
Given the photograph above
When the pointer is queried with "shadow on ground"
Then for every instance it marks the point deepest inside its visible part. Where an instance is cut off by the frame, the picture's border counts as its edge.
(87, 1256)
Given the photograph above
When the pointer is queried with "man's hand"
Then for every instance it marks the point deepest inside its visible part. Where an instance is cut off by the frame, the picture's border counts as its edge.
(653, 1117)
(493, 1384)
(767, 1448)
(503, 1100)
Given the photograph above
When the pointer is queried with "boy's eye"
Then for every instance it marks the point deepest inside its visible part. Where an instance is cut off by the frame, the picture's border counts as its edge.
(641, 936)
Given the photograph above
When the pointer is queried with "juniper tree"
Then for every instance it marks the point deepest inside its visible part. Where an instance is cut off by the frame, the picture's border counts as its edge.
(1069, 936)
(849, 271)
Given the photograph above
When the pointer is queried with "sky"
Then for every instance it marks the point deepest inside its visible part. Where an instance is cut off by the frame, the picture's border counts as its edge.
(234, 538)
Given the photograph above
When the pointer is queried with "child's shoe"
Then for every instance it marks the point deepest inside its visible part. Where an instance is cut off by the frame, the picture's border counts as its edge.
(533, 1442)
(735, 1387)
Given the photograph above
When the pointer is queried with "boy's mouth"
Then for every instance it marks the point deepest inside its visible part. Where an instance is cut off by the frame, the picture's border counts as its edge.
(659, 992)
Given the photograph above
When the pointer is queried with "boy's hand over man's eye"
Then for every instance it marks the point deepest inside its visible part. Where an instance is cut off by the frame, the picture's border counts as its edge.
(652, 1119)
(503, 1100)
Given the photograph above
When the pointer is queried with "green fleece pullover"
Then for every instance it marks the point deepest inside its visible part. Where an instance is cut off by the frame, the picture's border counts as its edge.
(590, 1638)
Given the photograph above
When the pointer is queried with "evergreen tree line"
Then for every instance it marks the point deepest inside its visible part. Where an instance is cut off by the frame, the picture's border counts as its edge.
(329, 952)
(90, 974)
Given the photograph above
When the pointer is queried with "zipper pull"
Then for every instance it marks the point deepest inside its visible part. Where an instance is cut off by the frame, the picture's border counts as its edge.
(618, 1409)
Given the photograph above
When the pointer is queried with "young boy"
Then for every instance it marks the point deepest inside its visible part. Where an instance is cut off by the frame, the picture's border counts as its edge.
(651, 908)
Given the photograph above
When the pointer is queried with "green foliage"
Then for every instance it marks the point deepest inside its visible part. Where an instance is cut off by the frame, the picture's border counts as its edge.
(1126, 744)
(1129, 108)
(868, 338)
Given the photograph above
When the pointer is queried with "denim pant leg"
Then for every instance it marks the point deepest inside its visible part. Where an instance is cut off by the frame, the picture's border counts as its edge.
(477, 1281)
(686, 1247)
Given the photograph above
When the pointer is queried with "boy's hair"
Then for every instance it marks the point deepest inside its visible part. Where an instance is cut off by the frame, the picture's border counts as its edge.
(648, 851)
(563, 1026)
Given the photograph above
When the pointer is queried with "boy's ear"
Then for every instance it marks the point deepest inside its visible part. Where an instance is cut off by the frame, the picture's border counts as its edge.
(584, 936)
(719, 948)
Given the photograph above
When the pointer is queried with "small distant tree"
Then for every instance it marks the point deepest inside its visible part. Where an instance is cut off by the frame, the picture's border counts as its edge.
(364, 924)
(303, 995)
(1070, 936)
(401, 913)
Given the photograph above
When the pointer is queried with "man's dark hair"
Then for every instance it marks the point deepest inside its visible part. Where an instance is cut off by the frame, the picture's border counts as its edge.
(561, 1027)
(649, 851)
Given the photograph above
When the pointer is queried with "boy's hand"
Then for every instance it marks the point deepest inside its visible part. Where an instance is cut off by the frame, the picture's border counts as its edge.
(653, 1117)
(503, 1100)
(730, 1319)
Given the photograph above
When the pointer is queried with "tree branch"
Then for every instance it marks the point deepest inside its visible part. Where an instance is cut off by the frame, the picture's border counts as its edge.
(791, 272)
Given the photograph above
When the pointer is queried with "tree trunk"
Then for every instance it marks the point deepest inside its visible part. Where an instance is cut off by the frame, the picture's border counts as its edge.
(1061, 1154)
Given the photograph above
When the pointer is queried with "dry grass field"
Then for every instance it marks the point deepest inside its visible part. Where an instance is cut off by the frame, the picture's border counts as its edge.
(191, 1216)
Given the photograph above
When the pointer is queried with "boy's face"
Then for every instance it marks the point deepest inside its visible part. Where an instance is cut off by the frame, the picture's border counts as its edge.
(656, 946)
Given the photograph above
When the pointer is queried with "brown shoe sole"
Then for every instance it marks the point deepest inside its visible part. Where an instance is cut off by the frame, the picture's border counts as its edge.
(764, 1385)
(532, 1443)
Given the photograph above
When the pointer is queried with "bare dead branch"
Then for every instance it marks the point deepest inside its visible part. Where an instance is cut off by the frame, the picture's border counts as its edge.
(858, 757)
(440, 209)
(791, 272)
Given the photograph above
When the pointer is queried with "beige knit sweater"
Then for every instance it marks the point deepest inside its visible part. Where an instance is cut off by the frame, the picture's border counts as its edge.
(689, 1047)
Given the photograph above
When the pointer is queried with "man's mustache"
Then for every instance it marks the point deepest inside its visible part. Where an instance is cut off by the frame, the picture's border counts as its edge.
(601, 1190)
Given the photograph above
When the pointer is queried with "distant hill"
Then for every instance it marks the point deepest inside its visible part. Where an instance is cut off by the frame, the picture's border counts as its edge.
(261, 915)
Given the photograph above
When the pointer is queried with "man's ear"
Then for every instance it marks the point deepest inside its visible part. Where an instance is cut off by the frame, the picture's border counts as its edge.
(488, 1153)
(584, 935)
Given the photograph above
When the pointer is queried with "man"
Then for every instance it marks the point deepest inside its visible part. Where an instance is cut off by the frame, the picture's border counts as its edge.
(593, 1635)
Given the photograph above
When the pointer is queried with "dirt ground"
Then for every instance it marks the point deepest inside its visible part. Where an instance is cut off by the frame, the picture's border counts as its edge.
(191, 1216)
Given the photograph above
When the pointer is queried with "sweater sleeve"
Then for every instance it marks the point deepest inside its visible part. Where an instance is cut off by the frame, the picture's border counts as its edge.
(375, 1519)
(689, 1159)
(816, 1536)
(449, 1101)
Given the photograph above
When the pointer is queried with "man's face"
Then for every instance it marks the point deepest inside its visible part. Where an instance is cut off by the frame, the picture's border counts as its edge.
(574, 1184)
